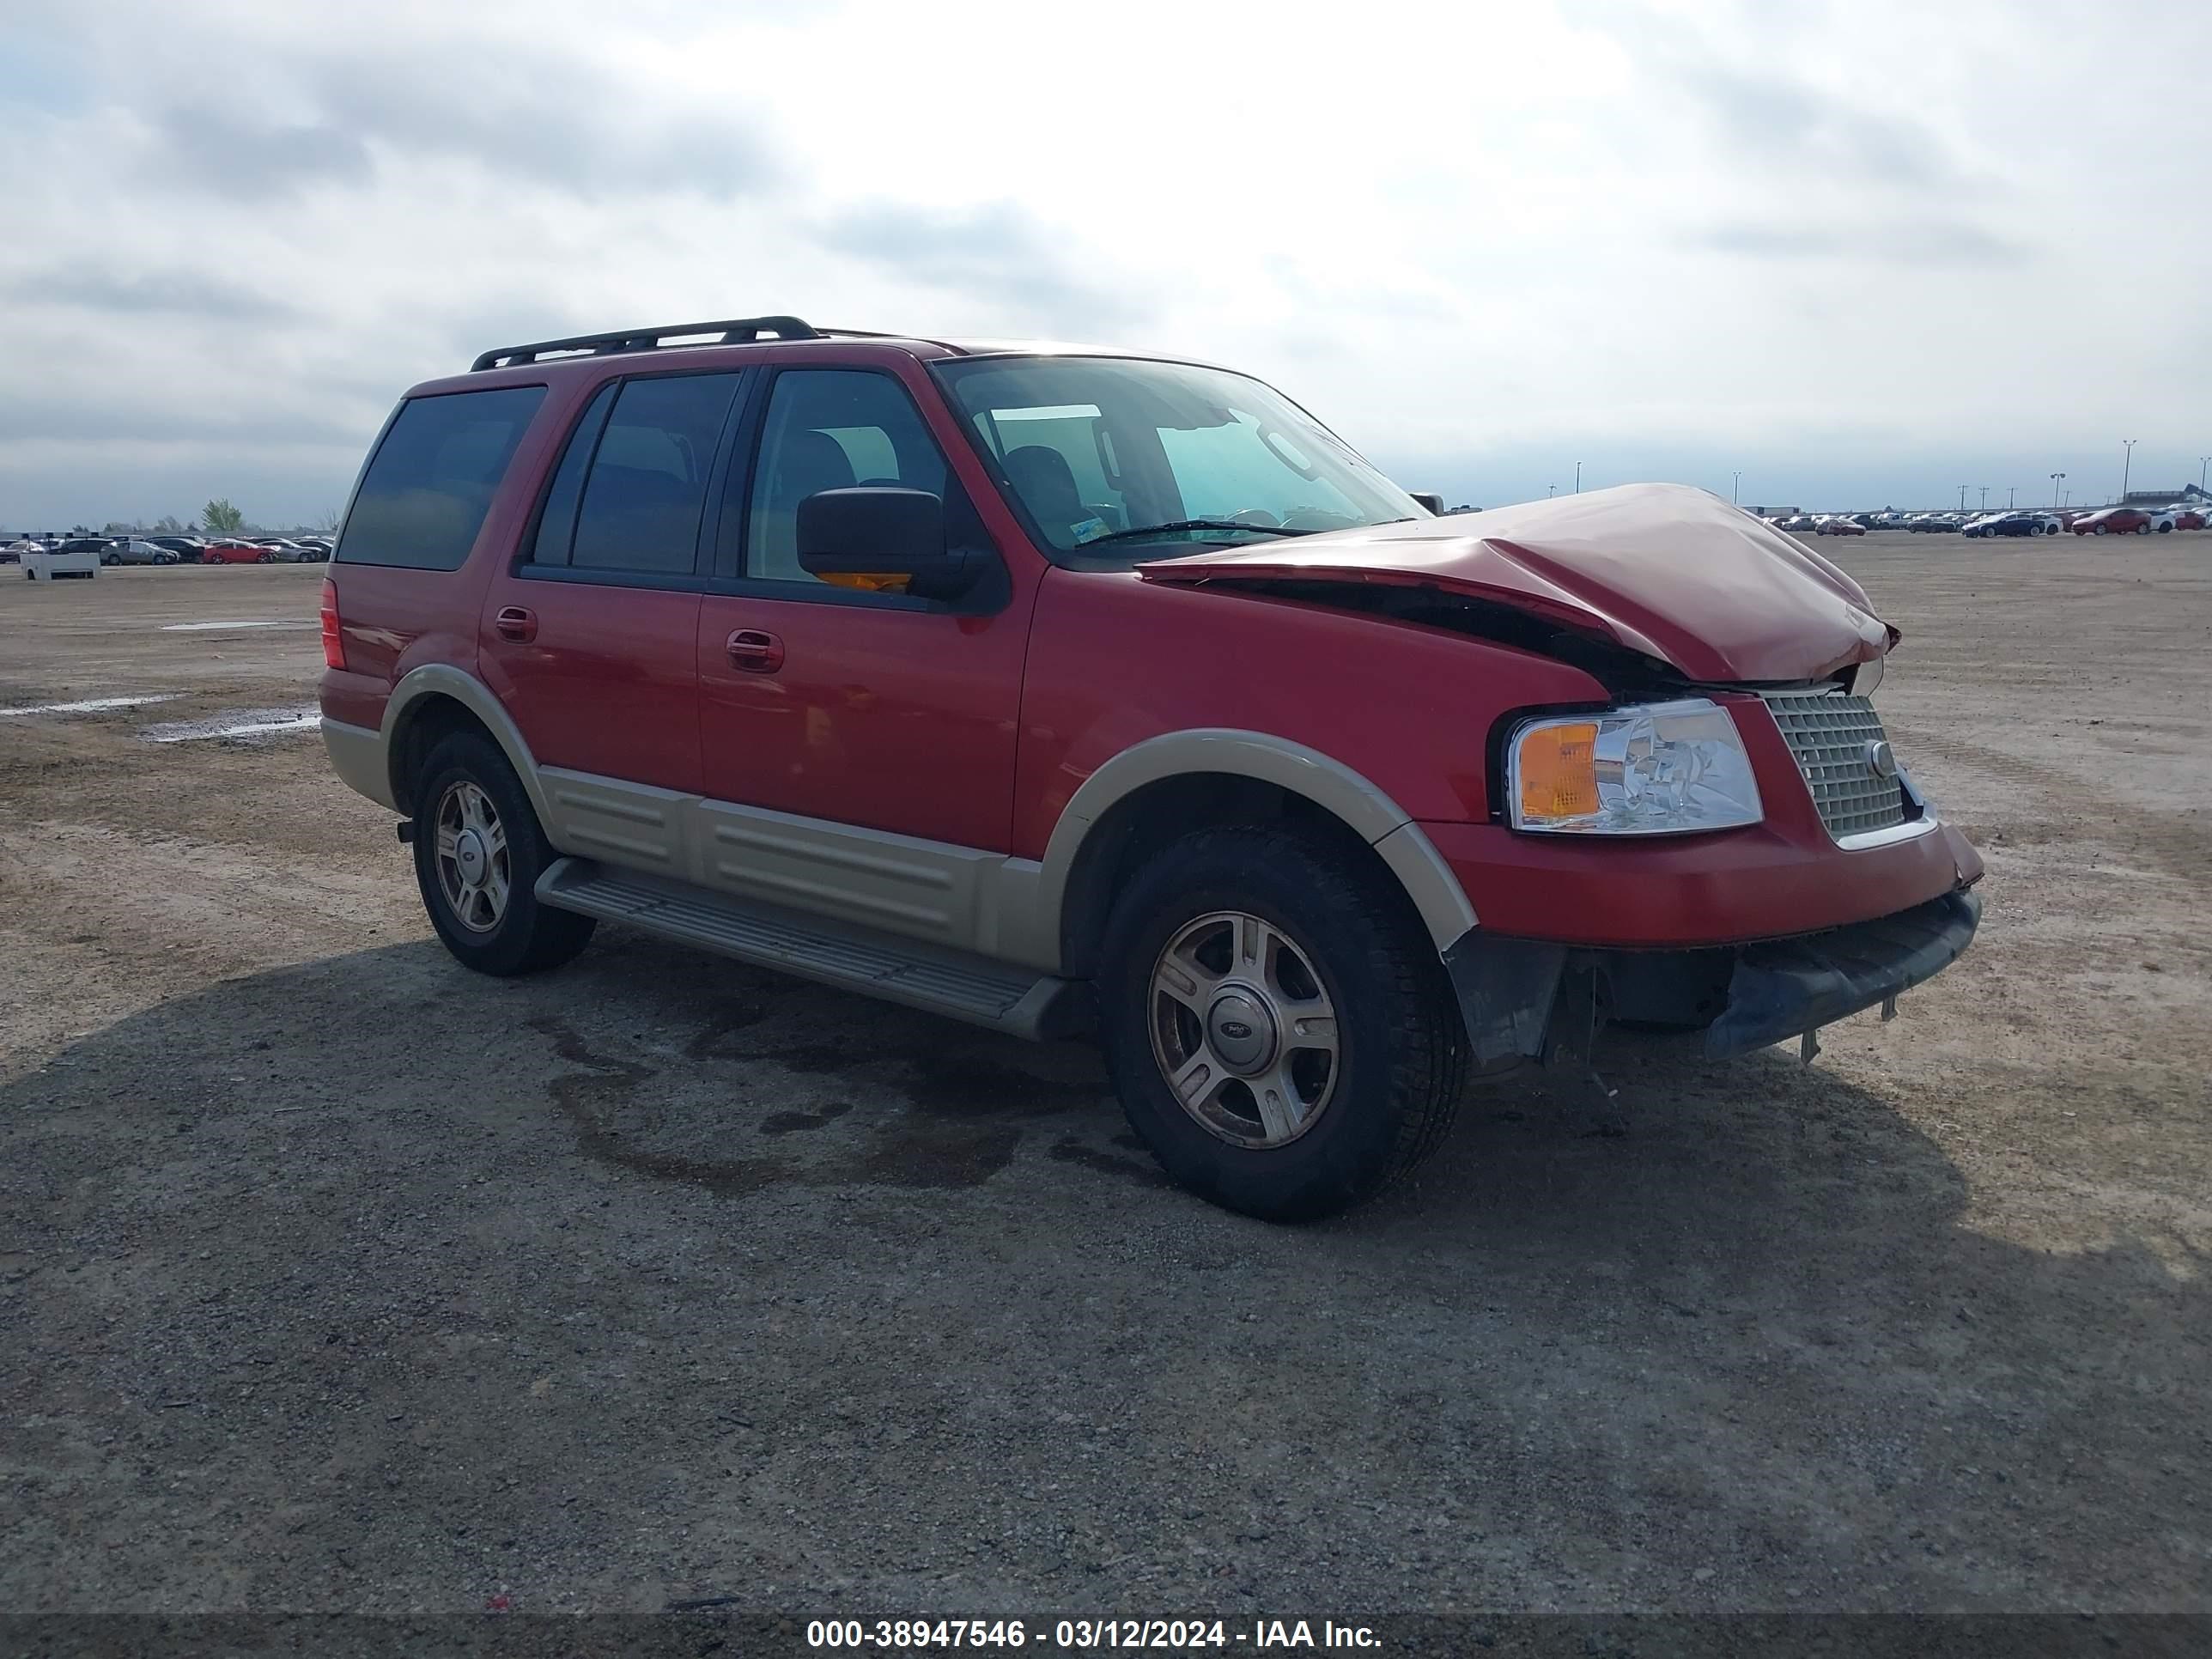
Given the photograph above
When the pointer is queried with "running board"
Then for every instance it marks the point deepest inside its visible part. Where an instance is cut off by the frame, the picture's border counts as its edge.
(931, 977)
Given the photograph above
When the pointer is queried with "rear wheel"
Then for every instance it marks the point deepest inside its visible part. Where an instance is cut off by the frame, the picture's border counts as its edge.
(1278, 1025)
(111, 558)
(478, 852)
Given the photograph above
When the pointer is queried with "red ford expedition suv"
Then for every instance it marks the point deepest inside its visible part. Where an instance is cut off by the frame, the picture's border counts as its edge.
(1063, 689)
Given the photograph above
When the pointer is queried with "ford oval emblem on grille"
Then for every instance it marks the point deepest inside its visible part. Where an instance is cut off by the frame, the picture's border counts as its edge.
(1881, 759)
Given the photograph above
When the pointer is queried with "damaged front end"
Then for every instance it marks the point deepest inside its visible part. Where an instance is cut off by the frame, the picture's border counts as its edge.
(1723, 840)
(1528, 999)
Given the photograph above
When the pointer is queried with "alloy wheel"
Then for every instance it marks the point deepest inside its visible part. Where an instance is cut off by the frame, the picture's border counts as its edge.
(473, 870)
(1243, 1029)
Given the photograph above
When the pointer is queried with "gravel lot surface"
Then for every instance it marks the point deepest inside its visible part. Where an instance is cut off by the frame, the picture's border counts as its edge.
(335, 1277)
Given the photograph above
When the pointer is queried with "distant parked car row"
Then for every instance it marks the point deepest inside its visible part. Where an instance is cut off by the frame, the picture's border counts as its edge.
(1826, 524)
(2022, 521)
(177, 550)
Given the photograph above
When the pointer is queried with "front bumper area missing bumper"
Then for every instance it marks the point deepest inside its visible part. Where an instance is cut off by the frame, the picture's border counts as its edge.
(1785, 988)
(1526, 999)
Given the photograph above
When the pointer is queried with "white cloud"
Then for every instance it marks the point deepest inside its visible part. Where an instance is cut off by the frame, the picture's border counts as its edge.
(1859, 250)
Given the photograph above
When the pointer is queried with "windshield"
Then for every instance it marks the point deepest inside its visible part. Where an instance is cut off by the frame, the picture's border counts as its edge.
(1115, 461)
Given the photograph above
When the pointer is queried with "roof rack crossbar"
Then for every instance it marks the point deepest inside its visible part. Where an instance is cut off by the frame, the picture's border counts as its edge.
(732, 331)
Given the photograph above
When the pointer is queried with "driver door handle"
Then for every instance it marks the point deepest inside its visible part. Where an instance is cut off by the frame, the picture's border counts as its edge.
(516, 624)
(755, 651)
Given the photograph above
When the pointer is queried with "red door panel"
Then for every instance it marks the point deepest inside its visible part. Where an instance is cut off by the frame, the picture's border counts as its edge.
(604, 683)
(895, 720)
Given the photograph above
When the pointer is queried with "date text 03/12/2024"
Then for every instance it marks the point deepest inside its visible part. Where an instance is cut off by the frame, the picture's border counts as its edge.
(1084, 1634)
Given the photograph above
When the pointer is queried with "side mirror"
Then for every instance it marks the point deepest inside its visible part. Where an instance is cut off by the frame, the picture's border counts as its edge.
(886, 535)
(1430, 499)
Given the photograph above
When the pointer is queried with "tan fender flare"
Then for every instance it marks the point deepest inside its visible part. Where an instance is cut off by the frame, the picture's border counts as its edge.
(443, 679)
(1329, 784)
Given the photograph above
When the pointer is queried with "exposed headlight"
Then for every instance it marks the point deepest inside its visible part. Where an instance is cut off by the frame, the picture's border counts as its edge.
(1664, 769)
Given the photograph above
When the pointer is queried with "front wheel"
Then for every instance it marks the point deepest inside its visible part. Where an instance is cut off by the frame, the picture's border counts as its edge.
(1277, 1023)
(111, 558)
(478, 852)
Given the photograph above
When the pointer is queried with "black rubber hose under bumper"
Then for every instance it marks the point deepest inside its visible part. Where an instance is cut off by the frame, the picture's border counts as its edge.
(1785, 988)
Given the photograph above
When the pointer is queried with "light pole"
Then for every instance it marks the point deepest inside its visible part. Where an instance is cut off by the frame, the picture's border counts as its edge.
(2057, 479)
(1737, 490)
(1962, 498)
(1550, 490)
(1985, 498)
(2011, 490)
(2201, 460)
(1578, 478)
(2128, 446)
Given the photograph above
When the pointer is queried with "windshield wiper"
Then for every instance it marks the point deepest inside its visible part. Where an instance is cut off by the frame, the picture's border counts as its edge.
(1191, 524)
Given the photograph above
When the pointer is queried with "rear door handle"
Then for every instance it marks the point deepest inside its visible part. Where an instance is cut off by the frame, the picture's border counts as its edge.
(755, 652)
(516, 624)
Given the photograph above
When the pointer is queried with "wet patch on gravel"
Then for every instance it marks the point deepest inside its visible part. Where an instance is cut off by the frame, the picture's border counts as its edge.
(245, 724)
(89, 705)
(940, 1117)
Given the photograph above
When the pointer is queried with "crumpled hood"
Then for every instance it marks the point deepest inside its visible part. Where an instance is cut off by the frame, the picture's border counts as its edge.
(1669, 570)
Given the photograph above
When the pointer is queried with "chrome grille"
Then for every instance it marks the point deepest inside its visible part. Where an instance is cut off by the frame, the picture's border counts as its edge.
(1828, 735)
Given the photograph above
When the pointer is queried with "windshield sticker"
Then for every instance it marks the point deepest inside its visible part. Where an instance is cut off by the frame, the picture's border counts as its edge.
(1090, 530)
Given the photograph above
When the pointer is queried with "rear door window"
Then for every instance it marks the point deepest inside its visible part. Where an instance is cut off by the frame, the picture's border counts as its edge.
(640, 506)
(427, 489)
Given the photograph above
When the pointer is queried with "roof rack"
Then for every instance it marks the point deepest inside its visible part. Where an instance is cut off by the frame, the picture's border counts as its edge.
(734, 331)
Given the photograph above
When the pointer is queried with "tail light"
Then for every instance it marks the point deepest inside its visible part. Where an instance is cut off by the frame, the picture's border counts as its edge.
(333, 641)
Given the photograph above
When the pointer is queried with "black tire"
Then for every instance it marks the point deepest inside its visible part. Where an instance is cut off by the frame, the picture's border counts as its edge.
(267, 558)
(111, 558)
(1401, 1064)
(528, 936)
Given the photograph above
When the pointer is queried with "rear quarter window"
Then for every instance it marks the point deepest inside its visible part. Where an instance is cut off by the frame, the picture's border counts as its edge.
(426, 490)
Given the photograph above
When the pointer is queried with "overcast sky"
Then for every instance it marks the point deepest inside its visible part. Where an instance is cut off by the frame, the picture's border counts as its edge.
(1864, 251)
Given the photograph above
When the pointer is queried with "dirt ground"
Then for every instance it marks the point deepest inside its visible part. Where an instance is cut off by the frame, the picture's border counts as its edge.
(335, 1277)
